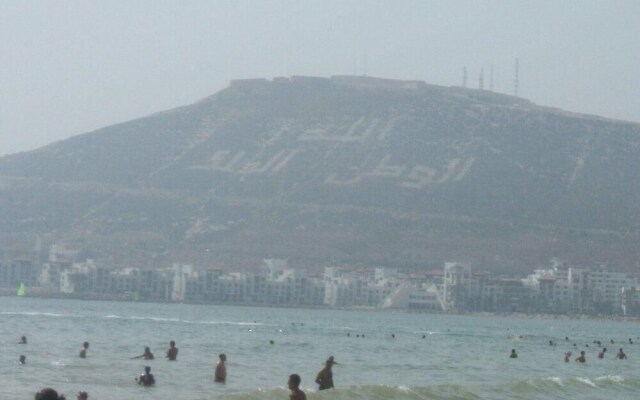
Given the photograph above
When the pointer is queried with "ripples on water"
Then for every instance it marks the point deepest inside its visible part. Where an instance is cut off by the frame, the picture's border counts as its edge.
(430, 357)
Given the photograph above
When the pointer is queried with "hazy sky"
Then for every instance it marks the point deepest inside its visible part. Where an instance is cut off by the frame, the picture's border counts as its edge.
(69, 67)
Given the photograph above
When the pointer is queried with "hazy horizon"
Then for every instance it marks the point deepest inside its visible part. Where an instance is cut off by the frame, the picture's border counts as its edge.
(70, 67)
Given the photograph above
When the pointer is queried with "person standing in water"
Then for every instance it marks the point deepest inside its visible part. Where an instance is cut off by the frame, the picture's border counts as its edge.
(83, 350)
(621, 355)
(581, 358)
(513, 354)
(294, 386)
(172, 353)
(146, 379)
(221, 369)
(147, 355)
(601, 354)
(325, 377)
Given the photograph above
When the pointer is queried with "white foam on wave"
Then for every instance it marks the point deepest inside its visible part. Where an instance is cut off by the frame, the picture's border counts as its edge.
(610, 378)
(555, 380)
(586, 381)
(404, 389)
(181, 321)
(35, 314)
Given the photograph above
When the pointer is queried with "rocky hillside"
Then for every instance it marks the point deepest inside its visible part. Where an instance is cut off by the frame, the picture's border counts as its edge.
(345, 169)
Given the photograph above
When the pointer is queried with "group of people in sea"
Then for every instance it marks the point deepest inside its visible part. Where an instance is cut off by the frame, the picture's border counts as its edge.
(324, 378)
(583, 358)
(621, 355)
(145, 379)
(52, 394)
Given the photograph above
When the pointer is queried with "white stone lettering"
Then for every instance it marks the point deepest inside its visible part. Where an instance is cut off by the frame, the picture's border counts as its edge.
(419, 177)
(384, 169)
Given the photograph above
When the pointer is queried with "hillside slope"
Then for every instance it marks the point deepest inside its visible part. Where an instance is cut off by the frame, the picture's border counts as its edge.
(345, 169)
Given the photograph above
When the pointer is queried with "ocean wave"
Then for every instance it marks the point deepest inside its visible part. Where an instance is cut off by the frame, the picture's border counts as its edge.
(545, 388)
(610, 379)
(585, 381)
(182, 321)
(555, 384)
(37, 314)
(369, 392)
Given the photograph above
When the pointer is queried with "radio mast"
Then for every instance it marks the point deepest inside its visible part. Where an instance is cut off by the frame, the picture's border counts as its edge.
(515, 80)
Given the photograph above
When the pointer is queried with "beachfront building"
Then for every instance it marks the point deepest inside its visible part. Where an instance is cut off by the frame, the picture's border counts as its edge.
(16, 271)
(409, 296)
(543, 285)
(607, 288)
(630, 298)
(50, 275)
(508, 295)
(462, 288)
(454, 288)
(579, 290)
(358, 288)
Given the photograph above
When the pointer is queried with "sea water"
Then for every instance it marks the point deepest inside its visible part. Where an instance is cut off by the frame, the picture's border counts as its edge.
(380, 355)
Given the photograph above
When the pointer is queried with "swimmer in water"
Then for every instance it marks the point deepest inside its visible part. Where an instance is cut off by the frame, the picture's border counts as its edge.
(83, 351)
(23, 340)
(513, 354)
(325, 377)
(48, 394)
(601, 354)
(294, 386)
(567, 356)
(221, 369)
(146, 379)
(83, 396)
(147, 355)
(22, 360)
(172, 353)
(621, 355)
(581, 358)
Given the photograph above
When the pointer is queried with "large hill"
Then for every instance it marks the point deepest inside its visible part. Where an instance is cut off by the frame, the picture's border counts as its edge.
(344, 169)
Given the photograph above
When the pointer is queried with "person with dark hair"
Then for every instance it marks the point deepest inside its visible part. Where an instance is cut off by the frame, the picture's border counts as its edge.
(294, 386)
(325, 376)
(581, 358)
(22, 359)
(221, 369)
(83, 395)
(146, 379)
(601, 354)
(48, 394)
(83, 351)
(147, 355)
(172, 353)
(621, 355)
(513, 354)
(23, 340)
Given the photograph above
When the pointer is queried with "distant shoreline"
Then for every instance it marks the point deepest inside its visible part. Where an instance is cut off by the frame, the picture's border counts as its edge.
(127, 299)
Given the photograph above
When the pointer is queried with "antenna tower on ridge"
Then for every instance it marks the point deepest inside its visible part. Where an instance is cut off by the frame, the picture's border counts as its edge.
(515, 81)
(491, 79)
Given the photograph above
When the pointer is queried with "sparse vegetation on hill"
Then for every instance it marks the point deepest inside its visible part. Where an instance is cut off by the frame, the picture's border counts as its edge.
(346, 169)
